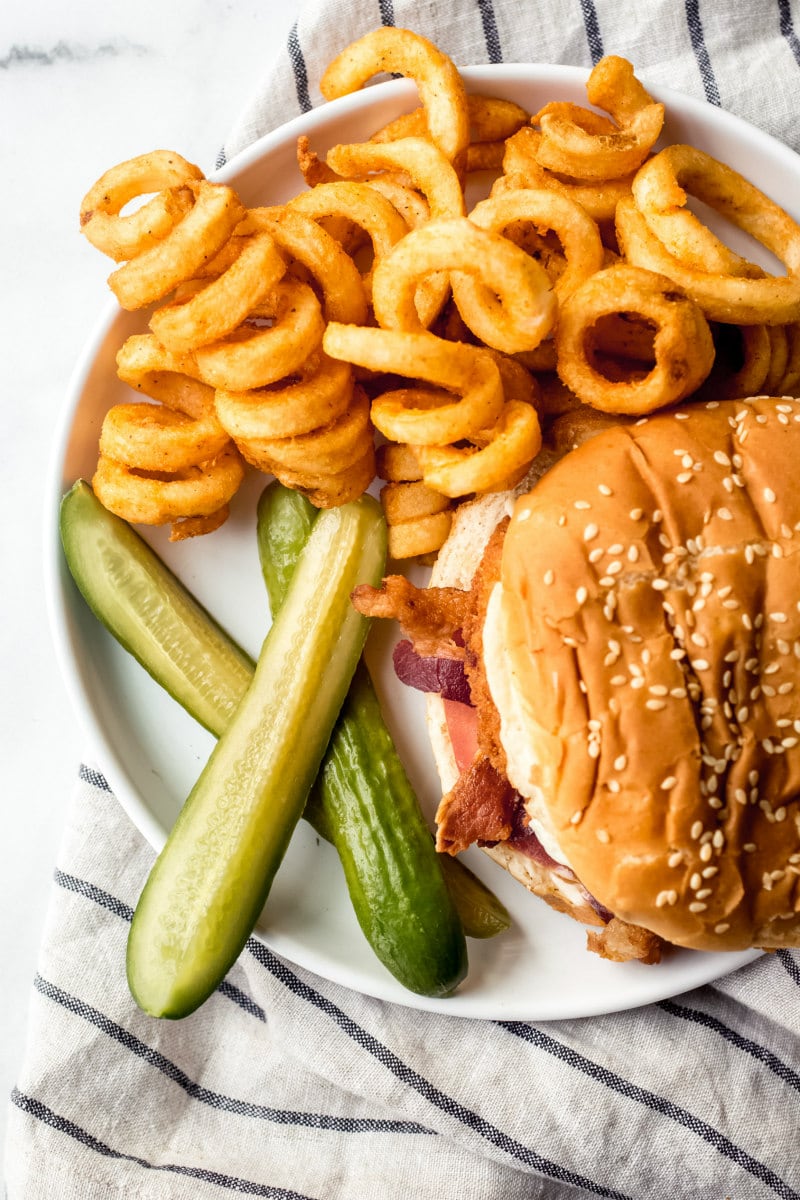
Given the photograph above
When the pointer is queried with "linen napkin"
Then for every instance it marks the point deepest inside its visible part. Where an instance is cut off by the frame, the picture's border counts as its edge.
(287, 1086)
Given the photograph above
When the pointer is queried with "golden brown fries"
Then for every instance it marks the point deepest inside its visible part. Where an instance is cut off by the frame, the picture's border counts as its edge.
(377, 311)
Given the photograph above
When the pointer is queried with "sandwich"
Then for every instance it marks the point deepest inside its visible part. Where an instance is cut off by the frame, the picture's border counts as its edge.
(611, 653)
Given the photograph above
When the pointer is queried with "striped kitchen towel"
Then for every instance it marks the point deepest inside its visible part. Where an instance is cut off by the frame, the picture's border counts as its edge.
(287, 1086)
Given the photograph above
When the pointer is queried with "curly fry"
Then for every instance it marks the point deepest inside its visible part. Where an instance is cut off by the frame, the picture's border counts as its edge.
(402, 52)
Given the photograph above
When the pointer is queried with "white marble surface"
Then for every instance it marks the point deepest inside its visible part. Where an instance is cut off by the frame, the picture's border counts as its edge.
(81, 88)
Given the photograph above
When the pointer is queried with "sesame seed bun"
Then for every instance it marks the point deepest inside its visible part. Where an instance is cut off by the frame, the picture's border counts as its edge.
(642, 649)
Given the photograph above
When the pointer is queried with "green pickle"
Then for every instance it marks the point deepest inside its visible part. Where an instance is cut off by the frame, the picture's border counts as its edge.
(211, 880)
(361, 801)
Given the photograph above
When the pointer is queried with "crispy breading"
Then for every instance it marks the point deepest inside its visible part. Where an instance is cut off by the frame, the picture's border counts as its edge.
(485, 577)
(431, 617)
(620, 942)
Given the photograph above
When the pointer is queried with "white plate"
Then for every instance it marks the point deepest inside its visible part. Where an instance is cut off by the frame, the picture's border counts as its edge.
(151, 752)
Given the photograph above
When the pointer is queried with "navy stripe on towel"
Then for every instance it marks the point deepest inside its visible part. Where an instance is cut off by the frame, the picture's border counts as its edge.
(244, 1187)
(217, 1100)
(592, 27)
(89, 775)
(386, 8)
(789, 964)
(90, 891)
(478, 1124)
(698, 40)
(787, 28)
(754, 1049)
(721, 1143)
(490, 34)
(71, 883)
(299, 67)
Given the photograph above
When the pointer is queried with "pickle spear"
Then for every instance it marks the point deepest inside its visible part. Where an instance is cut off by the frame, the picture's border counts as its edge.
(364, 803)
(149, 611)
(211, 880)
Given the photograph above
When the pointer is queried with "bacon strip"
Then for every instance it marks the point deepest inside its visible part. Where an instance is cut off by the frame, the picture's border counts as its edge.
(478, 808)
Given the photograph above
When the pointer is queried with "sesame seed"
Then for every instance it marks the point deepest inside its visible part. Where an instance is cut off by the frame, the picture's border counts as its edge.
(697, 906)
(603, 836)
(706, 852)
(675, 859)
(604, 489)
(582, 504)
(723, 927)
(684, 476)
(660, 585)
(668, 783)
(581, 595)
(596, 554)
(749, 847)
(576, 817)
(549, 576)
(655, 705)
(696, 881)
(721, 457)
(724, 514)
(696, 830)
(635, 514)
(590, 532)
